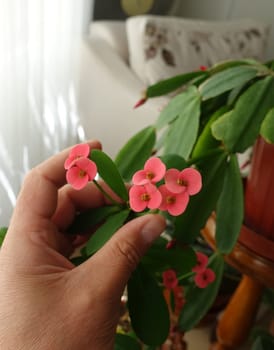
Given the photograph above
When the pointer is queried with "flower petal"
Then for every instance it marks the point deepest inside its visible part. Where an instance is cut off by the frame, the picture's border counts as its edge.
(204, 278)
(156, 166)
(80, 150)
(135, 198)
(88, 166)
(165, 192)
(155, 200)
(171, 180)
(139, 178)
(202, 261)
(180, 204)
(69, 162)
(174, 203)
(170, 280)
(193, 179)
(75, 180)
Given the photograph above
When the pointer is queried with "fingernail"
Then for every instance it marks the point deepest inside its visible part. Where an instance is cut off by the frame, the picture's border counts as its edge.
(154, 226)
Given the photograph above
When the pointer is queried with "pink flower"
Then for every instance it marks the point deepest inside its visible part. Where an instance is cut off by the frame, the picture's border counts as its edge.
(82, 171)
(202, 261)
(141, 197)
(154, 171)
(170, 280)
(174, 203)
(78, 151)
(188, 180)
(204, 278)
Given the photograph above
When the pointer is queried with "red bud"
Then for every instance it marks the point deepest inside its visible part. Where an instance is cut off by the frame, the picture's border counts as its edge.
(140, 102)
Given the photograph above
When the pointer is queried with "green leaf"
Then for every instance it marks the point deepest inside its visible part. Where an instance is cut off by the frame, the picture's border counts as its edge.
(206, 140)
(125, 342)
(264, 342)
(147, 308)
(168, 85)
(179, 258)
(189, 224)
(135, 152)
(109, 172)
(91, 218)
(3, 231)
(106, 231)
(226, 80)
(220, 66)
(242, 127)
(184, 130)
(199, 301)
(218, 127)
(267, 127)
(235, 93)
(179, 105)
(174, 161)
(230, 208)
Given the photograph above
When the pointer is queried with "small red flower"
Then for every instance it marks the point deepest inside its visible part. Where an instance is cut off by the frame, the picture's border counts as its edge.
(202, 261)
(188, 180)
(204, 278)
(82, 171)
(174, 203)
(170, 280)
(203, 68)
(146, 196)
(154, 170)
(78, 151)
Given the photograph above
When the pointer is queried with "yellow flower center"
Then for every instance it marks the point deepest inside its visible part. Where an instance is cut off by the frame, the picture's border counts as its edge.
(145, 197)
(182, 182)
(149, 175)
(170, 200)
(82, 173)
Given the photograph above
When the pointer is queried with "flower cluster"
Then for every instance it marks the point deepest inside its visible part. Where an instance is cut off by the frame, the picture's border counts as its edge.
(203, 275)
(80, 169)
(172, 196)
(171, 283)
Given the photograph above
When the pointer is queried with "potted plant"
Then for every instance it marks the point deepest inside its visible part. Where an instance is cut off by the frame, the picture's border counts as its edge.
(213, 114)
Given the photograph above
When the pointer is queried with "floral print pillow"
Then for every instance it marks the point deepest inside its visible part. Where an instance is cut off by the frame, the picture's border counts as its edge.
(161, 47)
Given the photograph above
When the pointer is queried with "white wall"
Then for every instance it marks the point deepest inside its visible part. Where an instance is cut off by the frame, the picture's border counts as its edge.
(262, 10)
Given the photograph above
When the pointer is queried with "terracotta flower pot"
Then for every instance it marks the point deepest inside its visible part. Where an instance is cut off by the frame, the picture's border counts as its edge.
(257, 233)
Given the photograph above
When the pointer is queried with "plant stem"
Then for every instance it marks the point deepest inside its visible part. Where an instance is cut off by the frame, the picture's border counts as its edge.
(213, 256)
(186, 275)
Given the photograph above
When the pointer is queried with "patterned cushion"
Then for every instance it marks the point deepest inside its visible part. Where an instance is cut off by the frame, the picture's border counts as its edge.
(161, 47)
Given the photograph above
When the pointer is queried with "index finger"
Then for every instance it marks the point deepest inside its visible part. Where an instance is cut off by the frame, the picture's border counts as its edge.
(37, 200)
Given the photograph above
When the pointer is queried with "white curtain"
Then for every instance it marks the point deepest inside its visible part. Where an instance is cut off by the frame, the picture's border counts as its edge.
(38, 82)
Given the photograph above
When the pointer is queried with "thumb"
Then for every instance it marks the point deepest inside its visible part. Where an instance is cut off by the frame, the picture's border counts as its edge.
(122, 253)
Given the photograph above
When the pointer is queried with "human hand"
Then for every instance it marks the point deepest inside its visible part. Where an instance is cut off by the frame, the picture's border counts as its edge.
(46, 303)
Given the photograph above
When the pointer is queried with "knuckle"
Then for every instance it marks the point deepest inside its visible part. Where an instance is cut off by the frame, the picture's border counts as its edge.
(129, 253)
